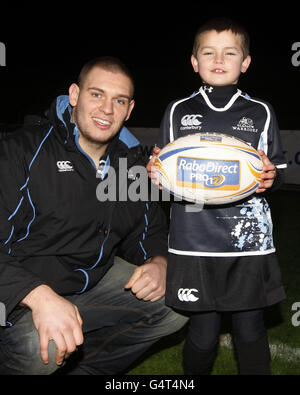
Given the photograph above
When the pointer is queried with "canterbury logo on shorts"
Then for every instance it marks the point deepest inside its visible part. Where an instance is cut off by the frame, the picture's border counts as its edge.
(187, 295)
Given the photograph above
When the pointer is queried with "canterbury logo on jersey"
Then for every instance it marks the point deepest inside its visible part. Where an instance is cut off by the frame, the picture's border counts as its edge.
(64, 165)
(191, 121)
(186, 295)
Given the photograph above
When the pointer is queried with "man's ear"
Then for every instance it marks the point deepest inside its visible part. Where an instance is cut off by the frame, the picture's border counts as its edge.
(73, 94)
(131, 105)
(246, 64)
(194, 62)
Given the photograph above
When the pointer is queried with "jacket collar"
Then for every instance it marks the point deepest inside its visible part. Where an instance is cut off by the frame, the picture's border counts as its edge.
(60, 115)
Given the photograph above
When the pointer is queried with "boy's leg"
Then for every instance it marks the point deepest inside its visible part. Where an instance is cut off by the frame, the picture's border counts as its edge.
(251, 342)
(200, 348)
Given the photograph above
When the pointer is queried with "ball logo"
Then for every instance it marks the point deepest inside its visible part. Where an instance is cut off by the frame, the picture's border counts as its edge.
(186, 295)
(208, 173)
(215, 181)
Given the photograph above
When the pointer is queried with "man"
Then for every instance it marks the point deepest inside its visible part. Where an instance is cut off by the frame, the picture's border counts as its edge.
(64, 290)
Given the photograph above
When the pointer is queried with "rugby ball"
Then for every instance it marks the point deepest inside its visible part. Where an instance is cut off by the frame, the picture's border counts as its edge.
(209, 168)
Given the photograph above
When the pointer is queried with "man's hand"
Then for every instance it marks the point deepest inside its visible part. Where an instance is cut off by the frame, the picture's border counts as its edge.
(151, 169)
(148, 281)
(268, 175)
(57, 319)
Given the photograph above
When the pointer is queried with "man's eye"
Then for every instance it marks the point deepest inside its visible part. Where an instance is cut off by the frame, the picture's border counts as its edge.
(120, 101)
(96, 94)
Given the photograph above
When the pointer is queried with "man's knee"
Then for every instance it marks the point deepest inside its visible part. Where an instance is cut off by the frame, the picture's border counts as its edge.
(165, 319)
(20, 350)
(37, 367)
(175, 321)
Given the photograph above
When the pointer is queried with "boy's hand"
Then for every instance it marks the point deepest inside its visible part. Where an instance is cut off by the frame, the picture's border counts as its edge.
(268, 175)
(151, 169)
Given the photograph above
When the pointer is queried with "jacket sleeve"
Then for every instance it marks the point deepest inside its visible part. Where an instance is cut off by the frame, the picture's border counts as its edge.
(15, 281)
(149, 238)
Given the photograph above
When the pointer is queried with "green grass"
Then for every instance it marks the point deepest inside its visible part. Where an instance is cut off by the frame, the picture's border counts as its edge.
(165, 357)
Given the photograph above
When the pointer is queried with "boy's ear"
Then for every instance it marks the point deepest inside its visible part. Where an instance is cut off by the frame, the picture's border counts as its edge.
(194, 62)
(246, 64)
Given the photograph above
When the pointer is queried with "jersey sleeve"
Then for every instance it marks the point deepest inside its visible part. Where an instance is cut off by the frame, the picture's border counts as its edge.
(275, 152)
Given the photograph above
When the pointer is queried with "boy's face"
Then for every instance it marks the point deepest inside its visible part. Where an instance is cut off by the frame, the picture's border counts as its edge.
(219, 59)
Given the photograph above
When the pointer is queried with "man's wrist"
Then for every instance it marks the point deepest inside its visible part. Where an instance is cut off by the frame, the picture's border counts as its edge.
(35, 295)
(157, 259)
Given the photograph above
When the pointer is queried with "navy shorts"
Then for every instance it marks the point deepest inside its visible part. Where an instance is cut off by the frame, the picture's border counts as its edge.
(197, 283)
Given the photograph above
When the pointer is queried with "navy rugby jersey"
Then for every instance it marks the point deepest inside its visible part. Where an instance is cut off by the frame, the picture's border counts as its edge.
(241, 228)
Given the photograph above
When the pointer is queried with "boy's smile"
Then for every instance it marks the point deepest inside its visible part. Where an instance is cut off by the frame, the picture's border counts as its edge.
(219, 59)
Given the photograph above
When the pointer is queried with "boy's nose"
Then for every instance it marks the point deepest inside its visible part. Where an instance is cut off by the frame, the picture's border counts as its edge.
(219, 58)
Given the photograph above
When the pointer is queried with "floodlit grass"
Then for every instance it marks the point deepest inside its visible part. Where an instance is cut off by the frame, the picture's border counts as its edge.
(165, 357)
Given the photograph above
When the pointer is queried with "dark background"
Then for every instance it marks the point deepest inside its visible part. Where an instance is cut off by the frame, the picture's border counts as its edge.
(47, 44)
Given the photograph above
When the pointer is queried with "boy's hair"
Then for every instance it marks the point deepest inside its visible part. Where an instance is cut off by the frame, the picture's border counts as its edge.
(108, 63)
(220, 25)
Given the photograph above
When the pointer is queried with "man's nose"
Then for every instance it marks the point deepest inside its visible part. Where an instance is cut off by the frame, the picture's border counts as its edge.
(107, 106)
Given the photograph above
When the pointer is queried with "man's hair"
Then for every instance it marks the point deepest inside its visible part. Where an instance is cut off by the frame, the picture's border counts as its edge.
(108, 63)
(220, 25)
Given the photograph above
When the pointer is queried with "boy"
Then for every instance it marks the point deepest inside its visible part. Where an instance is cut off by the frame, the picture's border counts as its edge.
(224, 255)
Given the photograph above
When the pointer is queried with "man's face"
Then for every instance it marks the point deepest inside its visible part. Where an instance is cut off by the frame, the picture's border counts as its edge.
(101, 105)
(219, 59)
